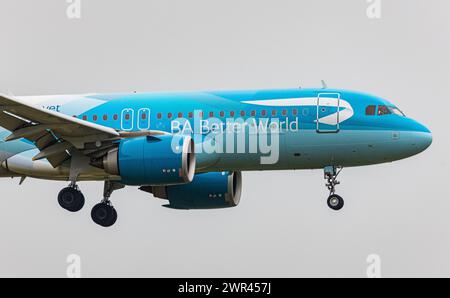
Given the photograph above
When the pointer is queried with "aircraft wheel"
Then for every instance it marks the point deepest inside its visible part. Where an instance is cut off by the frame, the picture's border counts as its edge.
(71, 199)
(335, 202)
(104, 215)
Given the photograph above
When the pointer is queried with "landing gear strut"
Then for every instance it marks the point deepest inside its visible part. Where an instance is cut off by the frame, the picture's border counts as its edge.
(334, 201)
(104, 213)
(71, 198)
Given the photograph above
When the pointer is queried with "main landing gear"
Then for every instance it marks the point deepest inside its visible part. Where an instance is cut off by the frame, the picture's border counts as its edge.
(71, 198)
(334, 201)
(103, 214)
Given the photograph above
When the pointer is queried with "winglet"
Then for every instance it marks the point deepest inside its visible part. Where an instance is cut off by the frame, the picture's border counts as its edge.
(324, 85)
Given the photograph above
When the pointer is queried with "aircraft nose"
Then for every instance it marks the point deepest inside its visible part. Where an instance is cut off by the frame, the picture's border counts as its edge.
(423, 138)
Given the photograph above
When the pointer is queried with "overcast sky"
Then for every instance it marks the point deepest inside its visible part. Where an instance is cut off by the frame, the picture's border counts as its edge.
(283, 227)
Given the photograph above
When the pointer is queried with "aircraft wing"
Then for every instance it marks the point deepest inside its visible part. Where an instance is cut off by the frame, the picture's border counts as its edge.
(53, 133)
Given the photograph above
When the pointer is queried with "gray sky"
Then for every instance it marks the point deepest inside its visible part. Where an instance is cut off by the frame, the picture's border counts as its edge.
(283, 227)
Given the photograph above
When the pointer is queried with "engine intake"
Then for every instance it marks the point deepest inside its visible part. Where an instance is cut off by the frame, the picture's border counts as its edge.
(151, 160)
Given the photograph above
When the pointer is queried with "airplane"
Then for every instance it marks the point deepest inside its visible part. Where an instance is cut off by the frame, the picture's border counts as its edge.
(190, 148)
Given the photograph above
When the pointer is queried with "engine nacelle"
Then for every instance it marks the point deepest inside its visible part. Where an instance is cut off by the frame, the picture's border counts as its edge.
(206, 191)
(153, 160)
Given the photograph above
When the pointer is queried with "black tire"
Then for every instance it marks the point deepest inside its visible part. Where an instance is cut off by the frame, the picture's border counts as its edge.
(71, 199)
(104, 215)
(335, 202)
(114, 217)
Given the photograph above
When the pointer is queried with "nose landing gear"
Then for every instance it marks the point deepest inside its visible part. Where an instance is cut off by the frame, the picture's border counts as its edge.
(334, 201)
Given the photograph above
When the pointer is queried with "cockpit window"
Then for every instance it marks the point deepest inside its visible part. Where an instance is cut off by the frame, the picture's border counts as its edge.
(383, 110)
(397, 111)
(370, 110)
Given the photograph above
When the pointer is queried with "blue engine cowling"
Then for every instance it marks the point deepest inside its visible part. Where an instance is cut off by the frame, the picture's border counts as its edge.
(153, 160)
(206, 191)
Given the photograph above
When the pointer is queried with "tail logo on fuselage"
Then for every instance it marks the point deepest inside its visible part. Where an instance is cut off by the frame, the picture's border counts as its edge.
(343, 113)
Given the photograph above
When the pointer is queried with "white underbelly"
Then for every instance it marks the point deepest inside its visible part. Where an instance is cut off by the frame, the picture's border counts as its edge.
(23, 165)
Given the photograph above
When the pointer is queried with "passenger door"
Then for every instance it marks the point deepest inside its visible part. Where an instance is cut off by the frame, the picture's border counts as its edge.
(328, 105)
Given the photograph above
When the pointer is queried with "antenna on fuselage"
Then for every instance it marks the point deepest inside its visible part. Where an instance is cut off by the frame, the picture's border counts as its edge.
(324, 85)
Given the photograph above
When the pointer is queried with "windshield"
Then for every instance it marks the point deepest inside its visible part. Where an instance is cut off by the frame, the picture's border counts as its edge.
(383, 110)
(396, 111)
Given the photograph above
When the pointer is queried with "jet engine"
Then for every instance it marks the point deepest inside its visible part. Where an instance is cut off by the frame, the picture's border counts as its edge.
(152, 160)
(206, 191)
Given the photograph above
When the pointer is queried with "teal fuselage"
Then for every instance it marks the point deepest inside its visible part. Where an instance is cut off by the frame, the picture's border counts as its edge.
(311, 128)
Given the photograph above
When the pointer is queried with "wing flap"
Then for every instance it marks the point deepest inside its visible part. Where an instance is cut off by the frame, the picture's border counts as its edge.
(45, 141)
(58, 159)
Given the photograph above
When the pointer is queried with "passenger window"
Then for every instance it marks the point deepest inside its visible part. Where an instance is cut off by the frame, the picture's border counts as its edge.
(180, 115)
(263, 113)
(211, 114)
(222, 114)
(169, 115)
(383, 110)
(305, 112)
(115, 117)
(253, 113)
(190, 115)
(159, 116)
(294, 112)
(232, 114)
(370, 110)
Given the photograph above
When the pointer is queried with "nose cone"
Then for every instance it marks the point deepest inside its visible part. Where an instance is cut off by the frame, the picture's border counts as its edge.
(422, 138)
